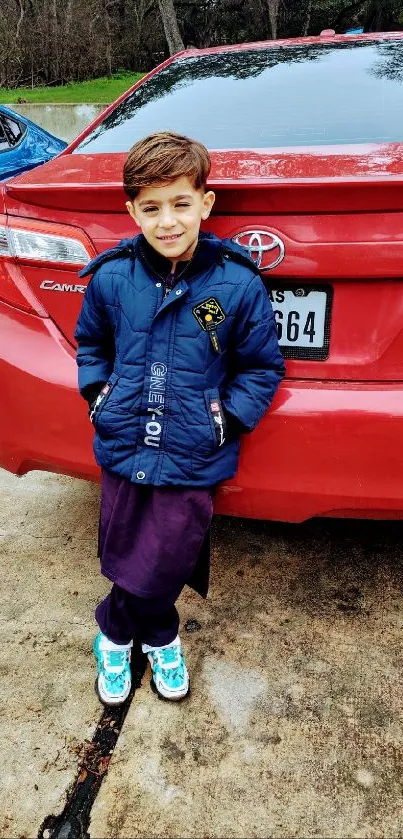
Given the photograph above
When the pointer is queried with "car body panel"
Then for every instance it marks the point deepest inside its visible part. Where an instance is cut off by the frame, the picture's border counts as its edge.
(357, 255)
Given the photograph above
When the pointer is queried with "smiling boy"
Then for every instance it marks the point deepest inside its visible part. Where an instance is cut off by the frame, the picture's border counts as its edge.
(169, 216)
(177, 355)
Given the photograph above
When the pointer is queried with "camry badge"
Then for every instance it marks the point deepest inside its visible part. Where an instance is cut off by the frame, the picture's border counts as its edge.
(266, 249)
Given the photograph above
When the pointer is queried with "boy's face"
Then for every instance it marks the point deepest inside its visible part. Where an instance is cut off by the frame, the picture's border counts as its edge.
(170, 216)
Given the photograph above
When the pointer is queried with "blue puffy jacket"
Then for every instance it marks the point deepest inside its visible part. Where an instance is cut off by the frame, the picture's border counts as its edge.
(174, 367)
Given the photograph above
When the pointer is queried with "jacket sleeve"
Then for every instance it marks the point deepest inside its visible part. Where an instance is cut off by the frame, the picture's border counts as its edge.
(94, 336)
(257, 366)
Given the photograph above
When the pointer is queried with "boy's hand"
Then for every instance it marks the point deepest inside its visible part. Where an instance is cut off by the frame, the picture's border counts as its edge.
(90, 394)
(234, 427)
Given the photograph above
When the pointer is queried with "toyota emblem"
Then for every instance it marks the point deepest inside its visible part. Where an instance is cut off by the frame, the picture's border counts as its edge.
(266, 249)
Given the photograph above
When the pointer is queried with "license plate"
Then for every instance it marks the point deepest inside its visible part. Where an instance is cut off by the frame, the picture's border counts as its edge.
(303, 320)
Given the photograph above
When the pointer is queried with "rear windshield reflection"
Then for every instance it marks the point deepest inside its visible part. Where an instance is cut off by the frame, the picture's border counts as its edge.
(315, 94)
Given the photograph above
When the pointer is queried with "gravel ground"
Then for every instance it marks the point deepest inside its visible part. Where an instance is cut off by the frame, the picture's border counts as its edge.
(294, 724)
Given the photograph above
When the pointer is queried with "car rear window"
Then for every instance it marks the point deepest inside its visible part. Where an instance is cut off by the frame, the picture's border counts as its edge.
(314, 94)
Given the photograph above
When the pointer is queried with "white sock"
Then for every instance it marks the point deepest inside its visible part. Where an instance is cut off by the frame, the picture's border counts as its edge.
(147, 648)
(106, 644)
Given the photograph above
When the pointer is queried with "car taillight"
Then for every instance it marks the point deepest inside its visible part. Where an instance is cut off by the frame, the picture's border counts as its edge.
(31, 242)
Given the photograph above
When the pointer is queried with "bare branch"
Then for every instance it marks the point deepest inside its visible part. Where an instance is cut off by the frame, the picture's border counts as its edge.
(20, 19)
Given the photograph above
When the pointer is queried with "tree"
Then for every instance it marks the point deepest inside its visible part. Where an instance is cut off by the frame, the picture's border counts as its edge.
(53, 41)
(273, 8)
(170, 24)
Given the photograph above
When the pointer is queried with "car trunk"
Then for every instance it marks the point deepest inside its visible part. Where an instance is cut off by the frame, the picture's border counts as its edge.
(337, 292)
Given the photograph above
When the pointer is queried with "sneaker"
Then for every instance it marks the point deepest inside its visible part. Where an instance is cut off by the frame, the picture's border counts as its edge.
(114, 679)
(170, 676)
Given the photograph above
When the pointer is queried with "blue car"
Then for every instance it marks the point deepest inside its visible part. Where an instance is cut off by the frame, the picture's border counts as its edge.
(23, 144)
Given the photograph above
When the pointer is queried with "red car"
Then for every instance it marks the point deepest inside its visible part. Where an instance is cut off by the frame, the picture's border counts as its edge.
(307, 147)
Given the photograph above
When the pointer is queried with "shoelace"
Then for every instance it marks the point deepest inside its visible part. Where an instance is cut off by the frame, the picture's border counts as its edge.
(168, 657)
(115, 660)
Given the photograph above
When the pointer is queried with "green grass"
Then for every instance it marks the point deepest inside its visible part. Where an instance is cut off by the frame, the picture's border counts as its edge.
(101, 90)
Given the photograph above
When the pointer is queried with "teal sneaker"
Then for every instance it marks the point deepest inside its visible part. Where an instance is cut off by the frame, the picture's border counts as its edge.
(170, 677)
(114, 679)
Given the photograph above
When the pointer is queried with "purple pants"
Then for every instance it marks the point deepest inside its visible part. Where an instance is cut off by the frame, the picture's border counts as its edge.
(152, 542)
(123, 616)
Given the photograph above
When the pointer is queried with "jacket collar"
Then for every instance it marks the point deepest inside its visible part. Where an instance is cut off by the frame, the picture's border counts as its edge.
(208, 253)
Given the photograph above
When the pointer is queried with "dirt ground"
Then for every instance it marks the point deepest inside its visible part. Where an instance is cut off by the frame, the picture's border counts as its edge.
(294, 724)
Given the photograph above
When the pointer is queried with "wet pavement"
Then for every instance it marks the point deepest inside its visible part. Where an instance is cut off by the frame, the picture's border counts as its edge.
(294, 724)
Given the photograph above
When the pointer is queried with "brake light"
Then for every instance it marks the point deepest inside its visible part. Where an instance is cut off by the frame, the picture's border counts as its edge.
(28, 241)
(47, 248)
(38, 241)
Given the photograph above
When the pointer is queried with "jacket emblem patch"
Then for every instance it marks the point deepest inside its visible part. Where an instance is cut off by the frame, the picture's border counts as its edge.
(209, 314)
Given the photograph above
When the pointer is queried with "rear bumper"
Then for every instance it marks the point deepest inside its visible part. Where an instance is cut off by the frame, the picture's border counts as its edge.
(323, 450)
(333, 449)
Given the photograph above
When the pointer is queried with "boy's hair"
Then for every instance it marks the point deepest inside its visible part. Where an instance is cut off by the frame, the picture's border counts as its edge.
(165, 156)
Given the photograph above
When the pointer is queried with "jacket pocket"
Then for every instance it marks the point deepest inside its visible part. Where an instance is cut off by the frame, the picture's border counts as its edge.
(216, 416)
(103, 398)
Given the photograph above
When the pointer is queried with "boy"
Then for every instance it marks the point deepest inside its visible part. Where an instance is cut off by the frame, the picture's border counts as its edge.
(177, 356)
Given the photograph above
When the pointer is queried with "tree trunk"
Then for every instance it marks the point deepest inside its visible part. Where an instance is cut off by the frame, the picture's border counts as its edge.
(54, 41)
(307, 21)
(7, 58)
(66, 48)
(171, 28)
(273, 8)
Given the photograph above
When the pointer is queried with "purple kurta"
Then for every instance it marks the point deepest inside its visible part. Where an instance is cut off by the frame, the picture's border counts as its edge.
(154, 540)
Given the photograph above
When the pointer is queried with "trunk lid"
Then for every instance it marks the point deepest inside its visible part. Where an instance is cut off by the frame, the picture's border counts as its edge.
(337, 210)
